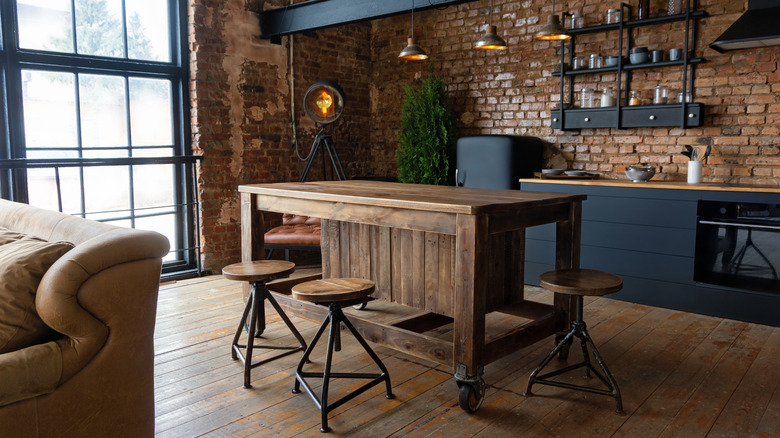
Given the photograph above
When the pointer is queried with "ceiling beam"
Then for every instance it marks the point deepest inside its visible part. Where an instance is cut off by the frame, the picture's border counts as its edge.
(320, 14)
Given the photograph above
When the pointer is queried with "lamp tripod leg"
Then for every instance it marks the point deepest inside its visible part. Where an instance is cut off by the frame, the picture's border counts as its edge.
(334, 159)
(312, 154)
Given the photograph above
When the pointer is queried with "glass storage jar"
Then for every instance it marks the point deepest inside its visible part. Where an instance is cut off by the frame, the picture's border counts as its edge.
(594, 61)
(578, 63)
(613, 16)
(607, 98)
(675, 7)
(587, 98)
(634, 99)
(577, 22)
(660, 95)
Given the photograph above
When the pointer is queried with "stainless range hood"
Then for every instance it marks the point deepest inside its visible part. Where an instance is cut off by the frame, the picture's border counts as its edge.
(757, 27)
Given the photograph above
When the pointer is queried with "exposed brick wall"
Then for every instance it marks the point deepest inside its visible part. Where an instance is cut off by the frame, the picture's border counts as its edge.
(241, 97)
(240, 94)
(512, 92)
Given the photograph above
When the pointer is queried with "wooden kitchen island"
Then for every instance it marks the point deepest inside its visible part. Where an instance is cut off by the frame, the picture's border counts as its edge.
(452, 255)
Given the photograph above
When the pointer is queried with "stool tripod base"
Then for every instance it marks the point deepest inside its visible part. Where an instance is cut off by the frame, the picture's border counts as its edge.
(579, 331)
(334, 319)
(255, 313)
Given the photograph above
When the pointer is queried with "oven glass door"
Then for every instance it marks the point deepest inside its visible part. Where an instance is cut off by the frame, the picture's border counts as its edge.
(739, 255)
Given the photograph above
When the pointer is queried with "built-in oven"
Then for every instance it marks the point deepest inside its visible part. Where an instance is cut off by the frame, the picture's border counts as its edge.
(738, 245)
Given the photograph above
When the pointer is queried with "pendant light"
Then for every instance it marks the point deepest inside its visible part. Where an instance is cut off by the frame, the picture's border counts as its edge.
(491, 40)
(553, 30)
(412, 52)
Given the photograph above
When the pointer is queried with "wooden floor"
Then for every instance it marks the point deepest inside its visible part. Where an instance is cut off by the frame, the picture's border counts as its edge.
(680, 374)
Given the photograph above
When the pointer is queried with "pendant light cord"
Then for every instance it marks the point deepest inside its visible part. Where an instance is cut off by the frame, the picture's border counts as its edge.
(490, 20)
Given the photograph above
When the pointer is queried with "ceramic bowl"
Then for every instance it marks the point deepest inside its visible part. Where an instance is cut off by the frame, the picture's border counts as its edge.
(639, 58)
(552, 171)
(640, 173)
(638, 50)
(611, 61)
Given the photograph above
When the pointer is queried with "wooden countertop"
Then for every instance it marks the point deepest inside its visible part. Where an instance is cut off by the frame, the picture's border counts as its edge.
(675, 185)
(446, 199)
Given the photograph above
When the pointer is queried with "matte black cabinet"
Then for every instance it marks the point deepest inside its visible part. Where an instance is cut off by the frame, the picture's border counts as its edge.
(684, 115)
(648, 237)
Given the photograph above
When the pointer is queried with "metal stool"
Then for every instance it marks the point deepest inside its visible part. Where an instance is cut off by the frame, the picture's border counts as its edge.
(579, 283)
(258, 273)
(335, 293)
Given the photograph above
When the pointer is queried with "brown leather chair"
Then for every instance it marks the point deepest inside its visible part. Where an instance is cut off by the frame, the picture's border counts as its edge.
(296, 233)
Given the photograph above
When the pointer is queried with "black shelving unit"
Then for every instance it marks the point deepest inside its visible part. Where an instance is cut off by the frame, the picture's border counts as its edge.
(684, 115)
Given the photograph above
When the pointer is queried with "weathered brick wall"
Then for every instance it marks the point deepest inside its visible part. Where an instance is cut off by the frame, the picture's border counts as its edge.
(241, 124)
(512, 92)
(242, 104)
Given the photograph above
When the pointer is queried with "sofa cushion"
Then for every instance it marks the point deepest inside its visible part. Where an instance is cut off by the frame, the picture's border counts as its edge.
(22, 265)
(7, 236)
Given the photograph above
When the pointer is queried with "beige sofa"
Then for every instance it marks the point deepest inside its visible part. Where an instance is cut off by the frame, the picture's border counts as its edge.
(95, 377)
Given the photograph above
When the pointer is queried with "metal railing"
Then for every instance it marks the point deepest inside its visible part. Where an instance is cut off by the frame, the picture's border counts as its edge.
(188, 207)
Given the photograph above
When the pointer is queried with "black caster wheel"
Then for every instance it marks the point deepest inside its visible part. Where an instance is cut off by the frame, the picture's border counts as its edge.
(471, 396)
(563, 353)
(360, 306)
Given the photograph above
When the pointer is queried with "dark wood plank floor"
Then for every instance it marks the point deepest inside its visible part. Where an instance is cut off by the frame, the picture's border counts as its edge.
(681, 375)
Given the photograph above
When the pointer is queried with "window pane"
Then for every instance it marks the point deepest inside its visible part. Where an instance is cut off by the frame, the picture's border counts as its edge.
(45, 25)
(42, 184)
(49, 100)
(99, 28)
(103, 111)
(147, 30)
(165, 225)
(151, 121)
(107, 188)
(153, 183)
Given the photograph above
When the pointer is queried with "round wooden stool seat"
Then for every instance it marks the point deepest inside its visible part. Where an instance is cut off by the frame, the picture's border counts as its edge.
(583, 282)
(258, 270)
(333, 290)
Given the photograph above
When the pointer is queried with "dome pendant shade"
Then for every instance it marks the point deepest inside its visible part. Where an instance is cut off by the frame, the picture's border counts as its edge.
(491, 40)
(553, 30)
(412, 51)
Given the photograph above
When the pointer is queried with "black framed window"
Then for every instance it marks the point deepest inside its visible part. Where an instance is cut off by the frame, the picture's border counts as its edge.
(96, 91)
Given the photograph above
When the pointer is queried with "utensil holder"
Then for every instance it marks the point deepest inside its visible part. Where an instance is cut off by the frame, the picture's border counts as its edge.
(694, 172)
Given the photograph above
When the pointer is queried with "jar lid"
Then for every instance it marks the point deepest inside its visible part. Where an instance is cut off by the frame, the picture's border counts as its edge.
(612, 11)
(595, 55)
(587, 90)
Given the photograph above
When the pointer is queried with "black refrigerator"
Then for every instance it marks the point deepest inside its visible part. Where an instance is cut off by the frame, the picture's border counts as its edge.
(497, 161)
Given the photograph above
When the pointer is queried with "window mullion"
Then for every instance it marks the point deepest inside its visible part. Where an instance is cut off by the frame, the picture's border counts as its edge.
(79, 144)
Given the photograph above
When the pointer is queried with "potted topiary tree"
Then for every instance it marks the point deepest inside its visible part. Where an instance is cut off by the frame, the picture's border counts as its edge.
(426, 145)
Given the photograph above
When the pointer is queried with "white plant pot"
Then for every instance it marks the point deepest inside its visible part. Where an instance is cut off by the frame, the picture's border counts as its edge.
(694, 172)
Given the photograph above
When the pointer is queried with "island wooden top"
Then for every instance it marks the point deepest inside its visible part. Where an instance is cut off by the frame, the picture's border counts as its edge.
(675, 185)
(446, 199)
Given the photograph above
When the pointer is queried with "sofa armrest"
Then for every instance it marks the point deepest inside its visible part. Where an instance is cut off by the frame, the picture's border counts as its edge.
(63, 308)
(29, 372)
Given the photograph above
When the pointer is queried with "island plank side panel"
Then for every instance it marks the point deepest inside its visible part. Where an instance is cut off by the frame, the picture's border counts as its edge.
(381, 269)
(431, 272)
(444, 302)
(514, 280)
(419, 271)
(416, 268)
